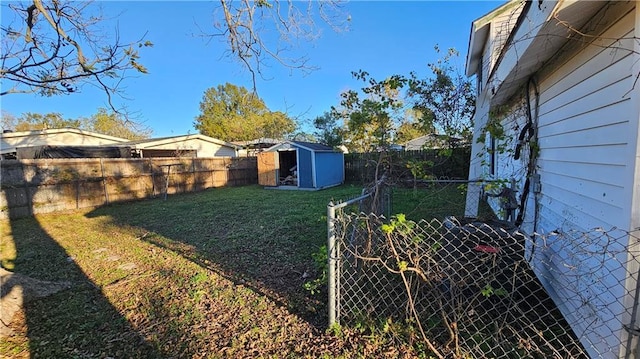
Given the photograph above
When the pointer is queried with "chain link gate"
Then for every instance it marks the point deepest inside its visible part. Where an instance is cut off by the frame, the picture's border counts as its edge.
(467, 289)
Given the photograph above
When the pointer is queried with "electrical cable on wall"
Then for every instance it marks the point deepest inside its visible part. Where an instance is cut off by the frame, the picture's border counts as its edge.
(530, 132)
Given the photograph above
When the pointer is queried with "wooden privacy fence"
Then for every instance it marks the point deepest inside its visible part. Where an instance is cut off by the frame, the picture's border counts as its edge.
(435, 163)
(46, 185)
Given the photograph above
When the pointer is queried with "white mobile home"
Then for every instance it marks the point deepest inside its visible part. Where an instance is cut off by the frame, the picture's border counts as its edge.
(195, 145)
(11, 141)
(558, 110)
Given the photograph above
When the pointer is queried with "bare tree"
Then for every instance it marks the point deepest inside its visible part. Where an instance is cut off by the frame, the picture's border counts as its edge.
(55, 47)
(247, 26)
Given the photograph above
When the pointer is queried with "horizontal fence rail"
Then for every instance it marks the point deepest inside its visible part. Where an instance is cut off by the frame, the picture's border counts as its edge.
(46, 185)
(470, 288)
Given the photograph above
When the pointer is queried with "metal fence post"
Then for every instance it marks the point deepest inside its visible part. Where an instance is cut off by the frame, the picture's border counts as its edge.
(331, 262)
(333, 258)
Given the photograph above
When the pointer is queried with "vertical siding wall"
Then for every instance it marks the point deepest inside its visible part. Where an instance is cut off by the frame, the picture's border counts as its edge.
(329, 169)
(40, 186)
(305, 168)
(584, 126)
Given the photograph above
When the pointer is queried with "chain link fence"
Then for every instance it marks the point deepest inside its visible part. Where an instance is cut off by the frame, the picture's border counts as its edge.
(464, 288)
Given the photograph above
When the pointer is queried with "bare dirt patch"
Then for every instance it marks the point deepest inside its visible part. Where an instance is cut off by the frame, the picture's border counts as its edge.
(18, 289)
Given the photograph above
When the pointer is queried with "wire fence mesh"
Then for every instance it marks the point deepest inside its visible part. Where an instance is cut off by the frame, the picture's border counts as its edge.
(465, 288)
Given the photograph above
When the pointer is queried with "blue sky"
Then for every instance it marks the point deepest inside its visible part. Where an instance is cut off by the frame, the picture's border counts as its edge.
(385, 38)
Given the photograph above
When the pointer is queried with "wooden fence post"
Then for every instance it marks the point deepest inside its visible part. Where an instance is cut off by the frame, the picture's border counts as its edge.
(104, 182)
(77, 181)
(153, 178)
(211, 172)
(27, 192)
(193, 174)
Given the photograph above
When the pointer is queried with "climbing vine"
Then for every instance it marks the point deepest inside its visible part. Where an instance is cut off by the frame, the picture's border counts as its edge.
(510, 148)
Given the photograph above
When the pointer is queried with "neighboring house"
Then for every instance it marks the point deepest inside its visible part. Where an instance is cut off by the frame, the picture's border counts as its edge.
(431, 140)
(69, 142)
(301, 165)
(196, 145)
(558, 110)
(11, 141)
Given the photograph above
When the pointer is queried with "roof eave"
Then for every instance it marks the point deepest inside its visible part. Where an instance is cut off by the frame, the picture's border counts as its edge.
(477, 39)
(536, 39)
(520, 40)
(479, 34)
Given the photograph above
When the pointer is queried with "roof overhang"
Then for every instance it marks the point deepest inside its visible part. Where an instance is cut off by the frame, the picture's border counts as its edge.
(480, 30)
(477, 39)
(539, 35)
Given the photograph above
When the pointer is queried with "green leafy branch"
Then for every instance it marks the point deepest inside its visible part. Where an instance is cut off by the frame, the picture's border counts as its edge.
(320, 257)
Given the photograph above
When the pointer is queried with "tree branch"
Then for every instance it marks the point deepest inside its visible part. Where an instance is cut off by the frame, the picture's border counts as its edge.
(61, 53)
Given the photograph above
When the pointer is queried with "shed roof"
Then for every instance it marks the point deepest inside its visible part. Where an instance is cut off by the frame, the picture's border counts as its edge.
(309, 146)
(316, 147)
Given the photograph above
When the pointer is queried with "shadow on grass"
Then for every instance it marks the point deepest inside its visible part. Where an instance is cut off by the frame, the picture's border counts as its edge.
(63, 314)
(260, 239)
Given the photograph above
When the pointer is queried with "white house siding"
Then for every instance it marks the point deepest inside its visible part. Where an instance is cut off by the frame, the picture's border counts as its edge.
(501, 25)
(585, 128)
(477, 170)
(506, 168)
(588, 164)
(634, 158)
(584, 133)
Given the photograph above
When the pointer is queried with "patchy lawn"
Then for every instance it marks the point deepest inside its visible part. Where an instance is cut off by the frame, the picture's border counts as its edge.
(215, 274)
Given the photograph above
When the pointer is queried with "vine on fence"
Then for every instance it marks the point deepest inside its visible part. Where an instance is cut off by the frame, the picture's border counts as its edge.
(466, 290)
(454, 288)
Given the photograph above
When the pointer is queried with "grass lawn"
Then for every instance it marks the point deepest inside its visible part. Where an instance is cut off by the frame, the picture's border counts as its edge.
(214, 274)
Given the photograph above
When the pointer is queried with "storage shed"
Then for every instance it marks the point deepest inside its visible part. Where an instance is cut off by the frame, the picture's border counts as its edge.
(301, 165)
